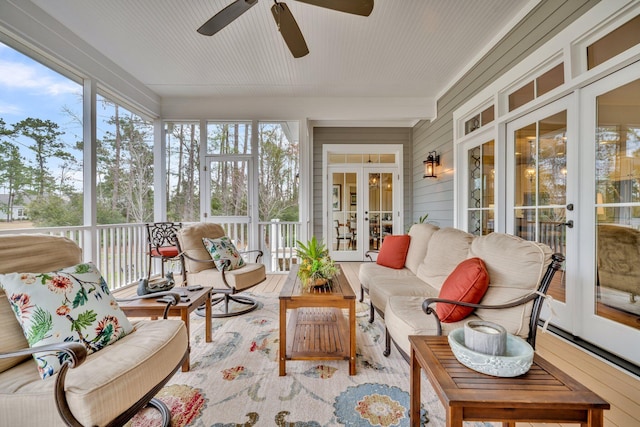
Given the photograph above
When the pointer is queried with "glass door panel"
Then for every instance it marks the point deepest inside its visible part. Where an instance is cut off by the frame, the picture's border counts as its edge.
(540, 162)
(228, 198)
(343, 230)
(481, 189)
(379, 209)
(617, 205)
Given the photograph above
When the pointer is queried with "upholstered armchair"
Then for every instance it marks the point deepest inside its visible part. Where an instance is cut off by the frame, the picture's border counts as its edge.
(227, 280)
(104, 388)
(619, 259)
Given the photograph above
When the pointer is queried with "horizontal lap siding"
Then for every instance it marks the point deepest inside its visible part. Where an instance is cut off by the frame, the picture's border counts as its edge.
(435, 196)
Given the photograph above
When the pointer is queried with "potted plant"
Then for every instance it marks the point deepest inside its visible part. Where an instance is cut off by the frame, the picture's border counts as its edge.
(316, 267)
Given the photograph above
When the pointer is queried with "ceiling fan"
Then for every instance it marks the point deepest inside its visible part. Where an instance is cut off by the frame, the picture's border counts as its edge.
(285, 21)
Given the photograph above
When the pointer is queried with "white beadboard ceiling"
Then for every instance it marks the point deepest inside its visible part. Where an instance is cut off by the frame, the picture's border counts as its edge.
(405, 48)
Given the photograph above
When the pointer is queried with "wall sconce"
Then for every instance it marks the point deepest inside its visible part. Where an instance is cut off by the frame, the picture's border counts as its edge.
(433, 160)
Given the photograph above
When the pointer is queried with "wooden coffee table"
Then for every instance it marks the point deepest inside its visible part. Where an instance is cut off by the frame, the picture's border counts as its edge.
(317, 328)
(544, 394)
(151, 308)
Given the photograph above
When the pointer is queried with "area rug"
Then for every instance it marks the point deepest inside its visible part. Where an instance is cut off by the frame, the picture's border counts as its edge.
(234, 380)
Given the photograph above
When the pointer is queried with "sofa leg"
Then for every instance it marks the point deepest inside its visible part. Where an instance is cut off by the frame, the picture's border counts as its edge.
(372, 312)
(387, 343)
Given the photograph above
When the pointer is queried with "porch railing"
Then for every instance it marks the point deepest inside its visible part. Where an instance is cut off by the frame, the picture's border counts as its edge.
(122, 250)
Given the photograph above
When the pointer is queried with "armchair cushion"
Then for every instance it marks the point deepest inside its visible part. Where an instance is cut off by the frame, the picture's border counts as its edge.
(221, 250)
(71, 304)
(393, 251)
(468, 283)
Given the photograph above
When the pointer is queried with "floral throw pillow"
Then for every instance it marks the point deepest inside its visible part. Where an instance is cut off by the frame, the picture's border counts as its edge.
(223, 249)
(72, 304)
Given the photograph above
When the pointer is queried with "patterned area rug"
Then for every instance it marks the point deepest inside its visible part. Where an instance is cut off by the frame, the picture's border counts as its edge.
(234, 380)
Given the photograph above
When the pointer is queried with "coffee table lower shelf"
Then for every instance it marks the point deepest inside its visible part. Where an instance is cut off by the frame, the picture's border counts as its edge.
(317, 334)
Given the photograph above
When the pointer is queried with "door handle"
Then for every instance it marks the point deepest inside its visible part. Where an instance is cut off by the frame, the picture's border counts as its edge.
(568, 224)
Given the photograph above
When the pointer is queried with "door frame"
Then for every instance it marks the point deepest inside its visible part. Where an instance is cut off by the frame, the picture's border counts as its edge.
(359, 169)
(252, 226)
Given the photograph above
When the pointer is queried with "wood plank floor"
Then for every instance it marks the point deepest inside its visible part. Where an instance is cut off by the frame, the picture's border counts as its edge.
(616, 386)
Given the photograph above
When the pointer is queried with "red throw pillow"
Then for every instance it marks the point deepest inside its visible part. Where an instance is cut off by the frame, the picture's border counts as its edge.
(468, 283)
(393, 251)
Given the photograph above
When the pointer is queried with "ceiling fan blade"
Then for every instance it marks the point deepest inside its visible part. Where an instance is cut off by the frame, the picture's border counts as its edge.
(225, 16)
(289, 29)
(356, 7)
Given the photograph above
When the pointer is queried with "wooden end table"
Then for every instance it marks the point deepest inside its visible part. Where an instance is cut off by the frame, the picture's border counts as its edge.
(317, 328)
(545, 394)
(153, 309)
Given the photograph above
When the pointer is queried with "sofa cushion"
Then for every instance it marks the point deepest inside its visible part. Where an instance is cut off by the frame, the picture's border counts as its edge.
(370, 271)
(467, 283)
(71, 304)
(393, 251)
(403, 316)
(381, 289)
(447, 248)
(516, 267)
(420, 236)
(221, 250)
(28, 252)
(105, 384)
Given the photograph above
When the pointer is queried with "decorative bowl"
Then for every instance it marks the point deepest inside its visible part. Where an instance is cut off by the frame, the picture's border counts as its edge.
(516, 361)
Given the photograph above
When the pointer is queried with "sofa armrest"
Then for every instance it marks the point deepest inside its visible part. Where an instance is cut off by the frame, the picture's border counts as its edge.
(426, 306)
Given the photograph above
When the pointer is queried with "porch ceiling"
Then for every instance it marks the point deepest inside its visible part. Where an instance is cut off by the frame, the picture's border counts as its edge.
(405, 49)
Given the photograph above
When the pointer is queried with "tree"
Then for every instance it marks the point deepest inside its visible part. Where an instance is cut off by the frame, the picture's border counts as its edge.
(14, 173)
(46, 145)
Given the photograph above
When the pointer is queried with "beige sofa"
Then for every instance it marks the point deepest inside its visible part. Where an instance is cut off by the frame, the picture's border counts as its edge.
(517, 269)
(106, 388)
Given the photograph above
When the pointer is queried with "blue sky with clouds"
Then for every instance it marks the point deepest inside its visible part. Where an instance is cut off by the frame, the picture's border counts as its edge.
(29, 89)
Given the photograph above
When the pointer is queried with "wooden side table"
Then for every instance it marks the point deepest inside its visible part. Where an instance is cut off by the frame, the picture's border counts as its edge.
(151, 308)
(545, 394)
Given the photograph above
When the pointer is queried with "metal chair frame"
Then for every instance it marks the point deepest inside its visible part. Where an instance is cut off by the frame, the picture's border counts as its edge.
(162, 235)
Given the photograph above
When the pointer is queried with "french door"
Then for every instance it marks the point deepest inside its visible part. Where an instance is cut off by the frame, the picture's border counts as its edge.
(363, 201)
(610, 206)
(541, 158)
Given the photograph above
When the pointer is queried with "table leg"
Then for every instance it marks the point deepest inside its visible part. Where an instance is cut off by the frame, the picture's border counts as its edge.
(184, 314)
(352, 337)
(595, 418)
(414, 390)
(207, 319)
(282, 355)
(454, 417)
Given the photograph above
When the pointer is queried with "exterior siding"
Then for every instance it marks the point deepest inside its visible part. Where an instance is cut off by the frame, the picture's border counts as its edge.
(365, 135)
(436, 196)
